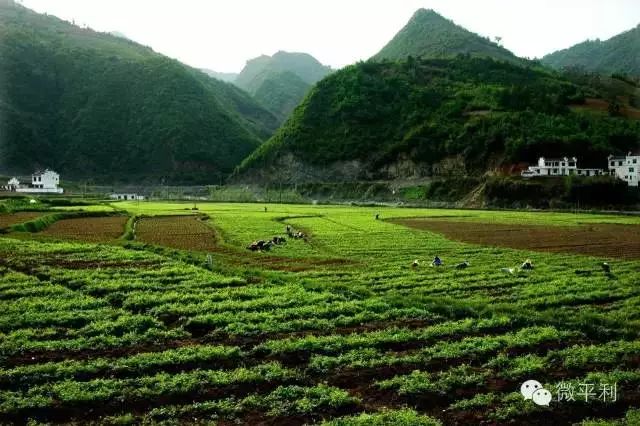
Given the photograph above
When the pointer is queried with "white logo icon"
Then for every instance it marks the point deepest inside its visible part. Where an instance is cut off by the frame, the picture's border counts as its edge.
(529, 387)
(532, 389)
(542, 397)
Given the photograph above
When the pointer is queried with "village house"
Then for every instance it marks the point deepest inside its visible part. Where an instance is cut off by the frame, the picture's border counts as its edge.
(626, 167)
(553, 167)
(12, 185)
(46, 181)
(127, 197)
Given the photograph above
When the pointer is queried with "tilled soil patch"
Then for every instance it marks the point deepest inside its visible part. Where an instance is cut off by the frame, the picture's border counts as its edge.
(179, 232)
(602, 240)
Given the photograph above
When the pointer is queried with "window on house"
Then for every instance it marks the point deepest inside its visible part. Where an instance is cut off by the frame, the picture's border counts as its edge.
(613, 163)
(619, 163)
(631, 170)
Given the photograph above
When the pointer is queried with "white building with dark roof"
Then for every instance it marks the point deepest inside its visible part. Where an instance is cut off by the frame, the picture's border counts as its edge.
(559, 167)
(45, 181)
(626, 167)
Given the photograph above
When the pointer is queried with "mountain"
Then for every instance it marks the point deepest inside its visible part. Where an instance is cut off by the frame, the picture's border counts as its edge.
(620, 54)
(281, 81)
(92, 105)
(430, 35)
(424, 117)
(228, 77)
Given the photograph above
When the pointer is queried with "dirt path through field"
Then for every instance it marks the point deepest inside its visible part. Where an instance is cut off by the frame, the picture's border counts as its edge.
(604, 240)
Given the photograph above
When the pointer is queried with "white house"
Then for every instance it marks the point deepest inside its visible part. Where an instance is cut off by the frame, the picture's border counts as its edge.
(127, 197)
(553, 167)
(560, 167)
(13, 184)
(626, 168)
(46, 181)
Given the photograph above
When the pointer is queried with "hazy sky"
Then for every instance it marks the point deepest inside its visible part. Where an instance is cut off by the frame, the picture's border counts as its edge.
(223, 34)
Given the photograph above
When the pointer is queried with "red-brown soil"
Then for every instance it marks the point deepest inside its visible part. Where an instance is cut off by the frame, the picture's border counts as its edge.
(90, 229)
(179, 232)
(603, 240)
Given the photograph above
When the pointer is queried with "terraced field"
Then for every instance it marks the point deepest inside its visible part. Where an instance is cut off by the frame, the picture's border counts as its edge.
(181, 232)
(8, 219)
(90, 229)
(608, 240)
(355, 337)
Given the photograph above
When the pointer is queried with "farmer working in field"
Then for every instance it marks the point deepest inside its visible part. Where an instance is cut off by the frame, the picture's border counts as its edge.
(527, 265)
(436, 261)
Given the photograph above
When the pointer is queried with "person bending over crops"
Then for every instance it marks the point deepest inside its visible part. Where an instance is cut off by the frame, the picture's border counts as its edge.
(527, 265)
(436, 261)
(463, 265)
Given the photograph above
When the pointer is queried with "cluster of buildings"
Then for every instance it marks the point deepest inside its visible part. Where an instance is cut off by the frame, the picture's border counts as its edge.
(42, 182)
(48, 181)
(126, 197)
(626, 168)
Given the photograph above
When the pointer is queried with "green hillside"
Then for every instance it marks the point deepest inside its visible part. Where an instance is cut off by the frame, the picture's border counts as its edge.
(281, 81)
(620, 54)
(461, 115)
(94, 105)
(429, 34)
(281, 93)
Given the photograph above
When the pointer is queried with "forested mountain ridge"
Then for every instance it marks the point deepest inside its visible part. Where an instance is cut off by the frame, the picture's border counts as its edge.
(430, 35)
(619, 54)
(92, 104)
(281, 81)
(423, 117)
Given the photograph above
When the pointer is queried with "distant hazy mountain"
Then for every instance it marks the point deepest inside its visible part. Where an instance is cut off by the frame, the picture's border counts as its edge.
(620, 54)
(228, 77)
(430, 35)
(281, 81)
(91, 104)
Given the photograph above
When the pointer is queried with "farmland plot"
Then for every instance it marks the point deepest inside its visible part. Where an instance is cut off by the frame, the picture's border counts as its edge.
(148, 339)
(181, 232)
(8, 219)
(90, 229)
(606, 240)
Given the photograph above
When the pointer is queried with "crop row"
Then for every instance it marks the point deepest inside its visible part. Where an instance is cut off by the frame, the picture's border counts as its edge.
(198, 382)
(339, 343)
(134, 365)
(470, 347)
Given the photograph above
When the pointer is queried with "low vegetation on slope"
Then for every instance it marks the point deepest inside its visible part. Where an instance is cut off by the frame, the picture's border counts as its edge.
(619, 54)
(99, 334)
(429, 34)
(430, 116)
(87, 103)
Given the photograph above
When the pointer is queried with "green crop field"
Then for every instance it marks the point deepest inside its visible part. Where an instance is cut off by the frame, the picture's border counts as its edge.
(335, 328)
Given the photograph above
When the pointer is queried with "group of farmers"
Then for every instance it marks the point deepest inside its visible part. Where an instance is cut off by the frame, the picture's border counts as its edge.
(262, 245)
